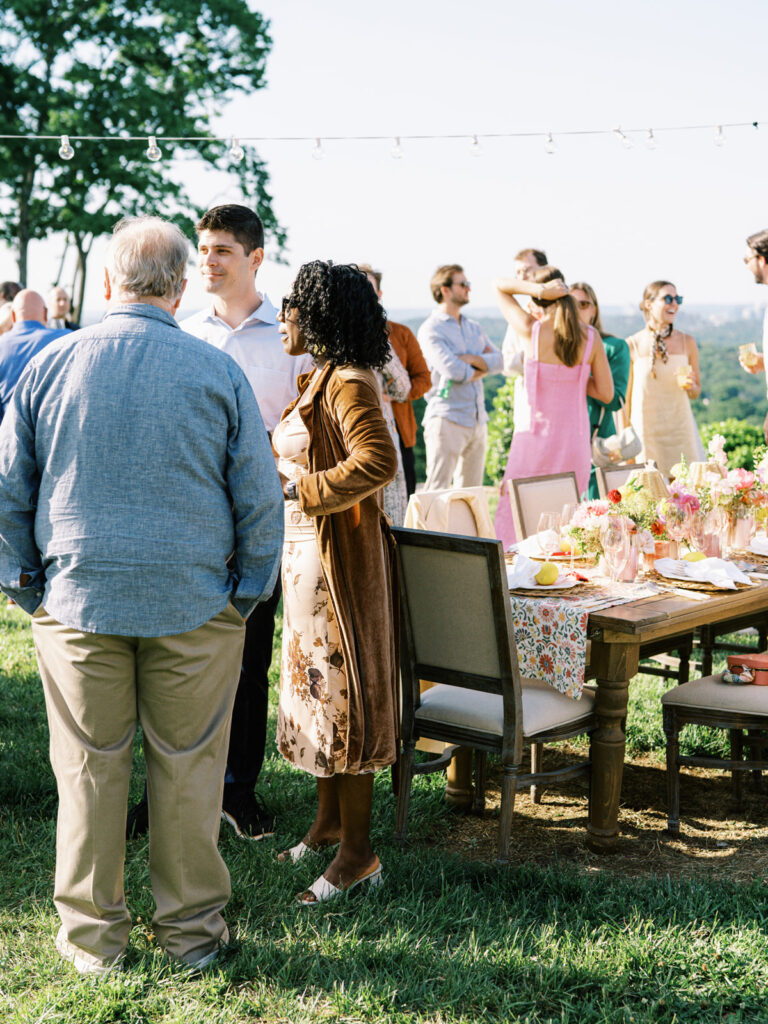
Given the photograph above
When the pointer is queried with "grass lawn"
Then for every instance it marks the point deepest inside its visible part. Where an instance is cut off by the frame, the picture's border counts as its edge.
(447, 939)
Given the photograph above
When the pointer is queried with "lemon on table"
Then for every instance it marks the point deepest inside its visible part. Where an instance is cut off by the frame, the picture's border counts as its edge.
(694, 556)
(565, 545)
(547, 574)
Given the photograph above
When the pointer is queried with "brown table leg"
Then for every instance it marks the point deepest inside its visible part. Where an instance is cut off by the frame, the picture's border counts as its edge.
(458, 789)
(614, 665)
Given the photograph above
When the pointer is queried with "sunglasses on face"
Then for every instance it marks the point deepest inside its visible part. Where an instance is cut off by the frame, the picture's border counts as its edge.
(670, 299)
(583, 303)
(462, 284)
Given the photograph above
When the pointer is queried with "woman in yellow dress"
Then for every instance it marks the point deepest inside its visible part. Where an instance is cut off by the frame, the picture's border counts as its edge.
(663, 379)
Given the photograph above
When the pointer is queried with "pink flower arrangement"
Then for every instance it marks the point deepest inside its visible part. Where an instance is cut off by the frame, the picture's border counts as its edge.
(681, 499)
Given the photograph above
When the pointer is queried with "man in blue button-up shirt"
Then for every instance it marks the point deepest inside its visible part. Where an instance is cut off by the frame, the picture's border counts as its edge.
(133, 464)
(28, 336)
(459, 354)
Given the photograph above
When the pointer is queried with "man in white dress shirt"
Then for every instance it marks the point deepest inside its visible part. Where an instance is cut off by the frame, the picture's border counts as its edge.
(242, 322)
(756, 261)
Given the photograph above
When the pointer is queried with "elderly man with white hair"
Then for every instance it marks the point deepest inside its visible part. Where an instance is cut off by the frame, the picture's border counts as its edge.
(140, 523)
(59, 308)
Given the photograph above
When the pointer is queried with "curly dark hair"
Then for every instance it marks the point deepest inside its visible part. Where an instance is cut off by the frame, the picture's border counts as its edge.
(339, 315)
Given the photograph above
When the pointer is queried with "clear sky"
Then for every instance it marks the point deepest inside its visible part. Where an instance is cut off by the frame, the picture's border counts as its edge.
(617, 218)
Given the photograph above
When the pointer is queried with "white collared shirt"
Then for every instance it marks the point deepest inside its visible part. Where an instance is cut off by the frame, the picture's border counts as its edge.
(256, 347)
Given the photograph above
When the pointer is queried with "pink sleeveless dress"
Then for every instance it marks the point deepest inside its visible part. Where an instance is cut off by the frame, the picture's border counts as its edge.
(551, 428)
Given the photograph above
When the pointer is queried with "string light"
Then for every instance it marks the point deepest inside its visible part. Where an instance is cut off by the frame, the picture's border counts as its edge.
(154, 153)
(318, 152)
(236, 151)
(66, 152)
(397, 150)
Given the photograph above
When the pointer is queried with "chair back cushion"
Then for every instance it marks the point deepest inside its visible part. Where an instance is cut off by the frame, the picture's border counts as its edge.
(610, 478)
(534, 495)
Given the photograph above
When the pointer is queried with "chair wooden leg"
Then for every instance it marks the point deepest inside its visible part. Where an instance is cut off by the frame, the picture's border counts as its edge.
(737, 753)
(537, 760)
(671, 730)
(481, 763)
(508, 791)
(404, 796)
(755, 743)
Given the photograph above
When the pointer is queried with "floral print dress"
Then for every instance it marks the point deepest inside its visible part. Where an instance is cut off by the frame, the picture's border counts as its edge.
(313, 720)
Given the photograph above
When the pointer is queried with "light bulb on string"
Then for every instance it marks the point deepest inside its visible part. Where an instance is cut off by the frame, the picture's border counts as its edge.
(318, 152)
(650, 139)
(66, 152)
(626, 143)
(153, 150)
(236, 151)
(549, 145)
(475, 149)
(397, 150)
(719, 137)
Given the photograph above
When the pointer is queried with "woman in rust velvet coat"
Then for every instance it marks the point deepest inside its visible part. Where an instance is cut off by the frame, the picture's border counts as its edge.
(338, 680)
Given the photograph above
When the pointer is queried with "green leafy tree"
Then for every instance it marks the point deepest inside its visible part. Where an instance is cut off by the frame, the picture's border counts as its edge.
(130, 67)
(741, 440)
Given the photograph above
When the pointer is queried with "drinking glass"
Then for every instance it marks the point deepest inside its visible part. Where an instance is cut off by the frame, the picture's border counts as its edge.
(548, 533)
(569, 511)
(616, 542)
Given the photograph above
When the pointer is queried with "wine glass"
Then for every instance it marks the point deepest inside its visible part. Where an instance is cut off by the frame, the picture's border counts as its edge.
(548, 533)
(616, 542)
(566, 516)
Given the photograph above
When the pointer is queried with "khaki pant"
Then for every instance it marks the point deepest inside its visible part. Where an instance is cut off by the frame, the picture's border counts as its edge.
(455, 454)
(181, 688)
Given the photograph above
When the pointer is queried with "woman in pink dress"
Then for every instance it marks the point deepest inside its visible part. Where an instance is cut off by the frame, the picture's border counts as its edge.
(564, 362)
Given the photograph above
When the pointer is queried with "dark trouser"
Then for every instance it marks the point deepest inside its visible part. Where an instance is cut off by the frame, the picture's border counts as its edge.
(409, 468)
(248, 736)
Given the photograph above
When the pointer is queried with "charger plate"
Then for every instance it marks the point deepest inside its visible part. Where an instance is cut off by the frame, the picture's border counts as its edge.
(710, 588)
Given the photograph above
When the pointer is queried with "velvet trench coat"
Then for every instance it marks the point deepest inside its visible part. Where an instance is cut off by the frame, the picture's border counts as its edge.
(351, 457)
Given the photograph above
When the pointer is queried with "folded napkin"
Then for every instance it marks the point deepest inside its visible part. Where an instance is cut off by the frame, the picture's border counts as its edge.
(531, 546)
(759, 545)
(522, 575)
(707, 570)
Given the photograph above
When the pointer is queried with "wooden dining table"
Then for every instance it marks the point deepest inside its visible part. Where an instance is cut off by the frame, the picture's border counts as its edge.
(616, 636)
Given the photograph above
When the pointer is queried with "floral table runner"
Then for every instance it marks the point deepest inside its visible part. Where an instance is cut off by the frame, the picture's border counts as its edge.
(551, 632)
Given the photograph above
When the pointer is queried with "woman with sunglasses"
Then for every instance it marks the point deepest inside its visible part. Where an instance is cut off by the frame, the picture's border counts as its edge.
(564, 361)
(601, 414)
(337, 717)
(663, 379)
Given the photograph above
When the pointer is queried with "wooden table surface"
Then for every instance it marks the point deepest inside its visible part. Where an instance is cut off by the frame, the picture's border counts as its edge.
(616, 635)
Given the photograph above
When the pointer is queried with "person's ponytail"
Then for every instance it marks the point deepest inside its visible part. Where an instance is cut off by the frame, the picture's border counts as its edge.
(567, 325)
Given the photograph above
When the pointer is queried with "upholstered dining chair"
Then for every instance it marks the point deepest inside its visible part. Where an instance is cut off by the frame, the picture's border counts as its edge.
(536, 494)
(610, 478)
(709, 701)
(456, 631)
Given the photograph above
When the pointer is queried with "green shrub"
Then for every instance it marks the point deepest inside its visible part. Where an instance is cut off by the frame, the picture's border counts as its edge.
(500, 430)
(741, 439)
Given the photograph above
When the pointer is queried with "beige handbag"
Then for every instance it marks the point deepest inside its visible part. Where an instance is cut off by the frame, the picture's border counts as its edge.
(623, 446)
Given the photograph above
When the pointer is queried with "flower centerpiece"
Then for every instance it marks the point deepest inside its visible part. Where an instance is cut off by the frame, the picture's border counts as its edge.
(583, 531)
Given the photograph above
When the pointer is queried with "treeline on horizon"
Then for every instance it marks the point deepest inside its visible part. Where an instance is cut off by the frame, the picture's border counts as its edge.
(727, 391)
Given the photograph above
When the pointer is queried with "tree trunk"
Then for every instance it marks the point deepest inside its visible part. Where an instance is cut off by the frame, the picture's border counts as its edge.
(24, 232)
(83, 249)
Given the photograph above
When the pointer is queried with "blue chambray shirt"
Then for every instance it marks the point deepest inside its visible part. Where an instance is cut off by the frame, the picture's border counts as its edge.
(442, 341)
(133, 462)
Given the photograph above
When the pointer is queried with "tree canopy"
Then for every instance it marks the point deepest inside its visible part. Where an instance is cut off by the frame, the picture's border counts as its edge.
(118, 69)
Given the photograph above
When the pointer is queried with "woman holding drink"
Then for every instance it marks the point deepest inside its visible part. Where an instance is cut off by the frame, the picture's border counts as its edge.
(664, 377)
